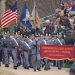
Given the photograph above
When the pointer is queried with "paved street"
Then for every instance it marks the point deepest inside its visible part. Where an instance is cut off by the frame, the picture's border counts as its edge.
(38, 34)
(21, 71)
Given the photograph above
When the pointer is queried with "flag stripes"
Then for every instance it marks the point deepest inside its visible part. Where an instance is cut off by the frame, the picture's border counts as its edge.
(9, 16)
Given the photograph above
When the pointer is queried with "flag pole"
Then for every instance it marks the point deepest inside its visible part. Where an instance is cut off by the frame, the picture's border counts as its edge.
(26, 13)
(16, 16)
(25, 20)
(35, 11)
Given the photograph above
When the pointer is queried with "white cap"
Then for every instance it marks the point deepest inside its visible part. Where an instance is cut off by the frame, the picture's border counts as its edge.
(27, 37)
(16, 33)
(49, 34)
(47, 21)
(46, 34)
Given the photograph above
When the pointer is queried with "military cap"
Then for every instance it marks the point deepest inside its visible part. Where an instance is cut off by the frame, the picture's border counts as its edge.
(46, 35)
(36, 35)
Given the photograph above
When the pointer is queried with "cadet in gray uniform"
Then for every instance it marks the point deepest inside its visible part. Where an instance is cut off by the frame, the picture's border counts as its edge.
(20, 51)
(6, 45)
(59, 41)
(14, 46)
(36, 53)
(46, 41)
(30, 42)
(18, 38)
(25, 48)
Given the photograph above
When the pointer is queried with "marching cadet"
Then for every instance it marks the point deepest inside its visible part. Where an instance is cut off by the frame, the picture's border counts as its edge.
(18, 38)
(14, 46)
(53, 38)
(20, 54)
(25, 50)
(30, 41)
(41, 39)
(6, 45)
(69, 39)
(59, 41)
(51, 42)
(36, 53)
(46, 41)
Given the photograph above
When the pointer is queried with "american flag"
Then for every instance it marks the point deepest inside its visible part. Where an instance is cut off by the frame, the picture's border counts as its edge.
(9, 16)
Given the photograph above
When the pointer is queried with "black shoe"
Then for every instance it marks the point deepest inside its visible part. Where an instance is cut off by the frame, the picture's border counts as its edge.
(59, 68)
(34, 70)
(49, 68)
(43, 65)
(18, 64)
(31, 66)
(45, 69)
(39, 69)
(15, 67)
(27, 68)
(6, 65)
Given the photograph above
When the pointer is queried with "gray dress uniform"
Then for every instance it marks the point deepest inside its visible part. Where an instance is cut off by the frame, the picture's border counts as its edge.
(14, 46)
(36, 55)
(59, 41)
(30, 42)
(47, 63)
(25, 49)
(19, 51)
(6, 48)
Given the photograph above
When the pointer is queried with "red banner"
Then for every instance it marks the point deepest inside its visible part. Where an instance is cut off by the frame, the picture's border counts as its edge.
(55, 52)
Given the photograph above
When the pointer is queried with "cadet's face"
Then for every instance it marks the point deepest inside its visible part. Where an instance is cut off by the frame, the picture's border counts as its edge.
(20, 36)
(42, 37)
(5, 35)
(50, 37)
(24, 38)
(31, 37)
(36, 38)
(16, 36)
(60, 36)
(54, 37)
(46, 37)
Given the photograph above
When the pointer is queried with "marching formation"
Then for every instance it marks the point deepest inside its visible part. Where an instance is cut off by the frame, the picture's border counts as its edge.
(23, 45)
(25, 50)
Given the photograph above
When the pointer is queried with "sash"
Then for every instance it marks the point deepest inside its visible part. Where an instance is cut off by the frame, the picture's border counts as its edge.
(45, 42)
(14, 40)
(31, 40)
(27, 44)
(59, 41)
